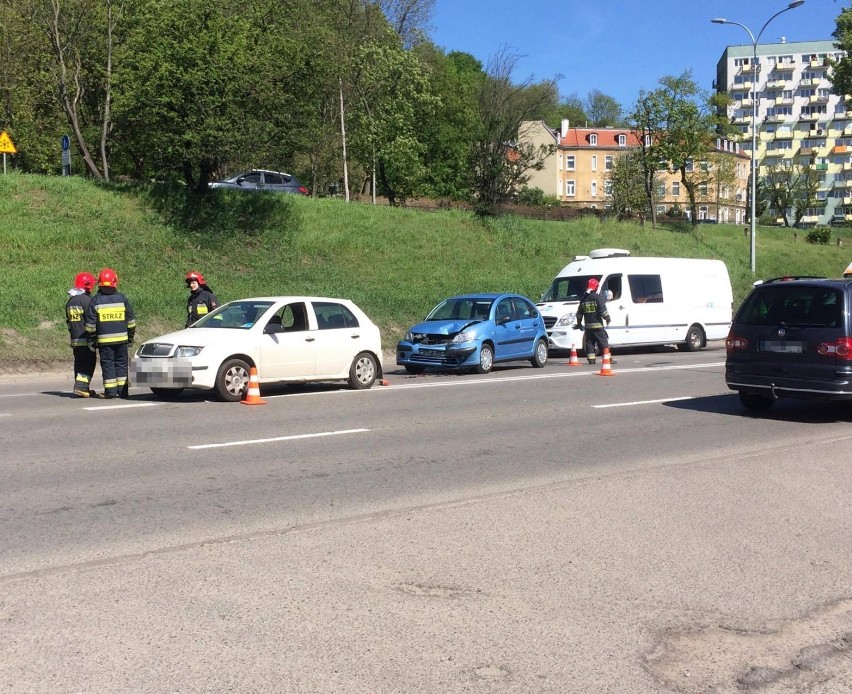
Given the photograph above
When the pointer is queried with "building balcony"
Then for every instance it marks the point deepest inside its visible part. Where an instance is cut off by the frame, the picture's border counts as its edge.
(742, 120)
(818, 62)
(746, 103)
(811, 116)
(810, 82)
(847, 166)
(783, 135)
(807, 151)
(784, 67)
(821, 167)
(847, 200)
(744, 87)
(784, 101)
(847, 130)
(843, 184)
(776, 83)
(815, 99)
(747, 68)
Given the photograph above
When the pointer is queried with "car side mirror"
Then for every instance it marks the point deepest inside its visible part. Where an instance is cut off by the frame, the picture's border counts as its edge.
(502, 320)
(241, 180)
(273, 328)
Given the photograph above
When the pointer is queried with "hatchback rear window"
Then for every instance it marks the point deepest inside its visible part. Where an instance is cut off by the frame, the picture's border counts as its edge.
(790, 304)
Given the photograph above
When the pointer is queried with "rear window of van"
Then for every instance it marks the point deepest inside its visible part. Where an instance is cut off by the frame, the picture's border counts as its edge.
(799, 305)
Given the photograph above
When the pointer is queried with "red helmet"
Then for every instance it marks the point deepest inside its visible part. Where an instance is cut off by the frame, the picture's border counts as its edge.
(592, 285)
(108, 278)
(193, 275)
(84, 280)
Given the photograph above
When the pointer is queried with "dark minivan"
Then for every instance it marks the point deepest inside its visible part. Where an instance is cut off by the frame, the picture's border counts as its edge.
(792, 338)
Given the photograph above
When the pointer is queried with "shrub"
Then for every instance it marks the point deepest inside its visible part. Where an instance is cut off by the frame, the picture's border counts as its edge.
(531, 197)
(675, 211)
(820, 235)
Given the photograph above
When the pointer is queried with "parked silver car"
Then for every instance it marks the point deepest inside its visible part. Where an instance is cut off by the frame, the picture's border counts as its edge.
(261, 180)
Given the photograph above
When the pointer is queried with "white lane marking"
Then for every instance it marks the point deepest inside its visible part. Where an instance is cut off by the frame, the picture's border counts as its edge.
(5, 414)
(489, 381)
(18, 395)
(642, 402)
(279, 438)
(124, 407)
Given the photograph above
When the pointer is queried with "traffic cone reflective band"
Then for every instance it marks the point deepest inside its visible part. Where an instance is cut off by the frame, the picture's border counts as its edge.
(573, 361)
(606, 366)
(253, 392)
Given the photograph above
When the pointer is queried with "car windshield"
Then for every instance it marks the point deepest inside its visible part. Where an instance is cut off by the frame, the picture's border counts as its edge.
(568, 288)
(461, 308)
(236, 315)
(792, 305)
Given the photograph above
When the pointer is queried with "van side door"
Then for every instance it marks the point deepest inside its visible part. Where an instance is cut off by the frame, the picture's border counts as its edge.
(647, 317)
(618, 308)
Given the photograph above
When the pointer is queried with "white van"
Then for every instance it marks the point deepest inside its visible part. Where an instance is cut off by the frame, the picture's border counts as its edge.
(654, 301)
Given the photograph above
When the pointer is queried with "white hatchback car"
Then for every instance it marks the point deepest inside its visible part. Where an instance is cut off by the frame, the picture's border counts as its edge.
(288, 339)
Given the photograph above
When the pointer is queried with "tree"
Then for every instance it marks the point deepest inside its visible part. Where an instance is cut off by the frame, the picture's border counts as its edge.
(627, 185)
(841, 74)
(603, 111)
(647, 123)
(408, 18)
(499, 164)
(683, 123)
(790, 189)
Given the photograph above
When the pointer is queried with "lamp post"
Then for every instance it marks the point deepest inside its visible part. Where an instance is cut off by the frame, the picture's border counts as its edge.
(754, 43)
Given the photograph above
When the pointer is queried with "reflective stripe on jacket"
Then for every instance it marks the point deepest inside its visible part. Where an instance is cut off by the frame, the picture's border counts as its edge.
(110, 318)
(75, 310)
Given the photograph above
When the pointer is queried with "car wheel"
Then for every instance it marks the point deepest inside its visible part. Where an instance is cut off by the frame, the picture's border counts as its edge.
(232, 380)
(486, 359)
(694, 339)
(540, 357)
(416, 370)
(167, 393)
(363, 372)
(756, 403)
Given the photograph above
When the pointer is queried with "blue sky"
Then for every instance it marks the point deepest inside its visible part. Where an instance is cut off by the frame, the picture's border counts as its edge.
(621, 46)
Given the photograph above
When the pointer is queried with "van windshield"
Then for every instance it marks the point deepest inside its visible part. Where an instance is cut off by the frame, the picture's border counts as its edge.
(568, 288)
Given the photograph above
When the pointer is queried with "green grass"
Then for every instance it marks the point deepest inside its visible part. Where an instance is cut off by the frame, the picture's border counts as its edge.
(395, 263)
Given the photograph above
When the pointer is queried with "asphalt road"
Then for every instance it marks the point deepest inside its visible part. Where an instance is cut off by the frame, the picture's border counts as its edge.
(526, 531)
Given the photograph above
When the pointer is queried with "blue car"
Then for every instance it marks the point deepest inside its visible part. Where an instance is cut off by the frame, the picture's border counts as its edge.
(475, 331)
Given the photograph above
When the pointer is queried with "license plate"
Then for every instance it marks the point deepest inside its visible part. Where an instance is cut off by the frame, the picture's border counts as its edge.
(782, 346)
(431, 352)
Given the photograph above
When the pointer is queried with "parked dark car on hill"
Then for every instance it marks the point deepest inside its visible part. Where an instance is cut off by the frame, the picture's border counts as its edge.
(792, 338)
(261, 180)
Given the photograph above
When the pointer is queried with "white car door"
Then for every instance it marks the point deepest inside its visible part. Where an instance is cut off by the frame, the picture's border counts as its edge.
(339, 338)
(288, 350)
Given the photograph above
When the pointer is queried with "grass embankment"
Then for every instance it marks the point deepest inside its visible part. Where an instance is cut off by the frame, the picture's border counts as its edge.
(395, 263)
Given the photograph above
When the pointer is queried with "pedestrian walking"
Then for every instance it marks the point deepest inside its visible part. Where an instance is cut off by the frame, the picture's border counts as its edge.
(85, 359)
(110, 326)
(592, 310)
(201, 299)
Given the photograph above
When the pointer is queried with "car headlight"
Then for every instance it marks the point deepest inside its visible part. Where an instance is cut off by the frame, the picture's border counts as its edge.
(184, 352)
(413, 337)
(567, 319)
(464, 337)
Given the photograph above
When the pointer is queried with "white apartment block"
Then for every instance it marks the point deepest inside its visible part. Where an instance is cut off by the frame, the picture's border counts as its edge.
(798, 118)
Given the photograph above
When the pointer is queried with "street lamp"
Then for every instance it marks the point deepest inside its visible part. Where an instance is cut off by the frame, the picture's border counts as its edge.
(754, 42)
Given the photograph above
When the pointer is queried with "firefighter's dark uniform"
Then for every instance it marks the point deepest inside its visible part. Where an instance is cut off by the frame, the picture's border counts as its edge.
(200, 303)
(110, 327)
(85, 359)
(592, 311)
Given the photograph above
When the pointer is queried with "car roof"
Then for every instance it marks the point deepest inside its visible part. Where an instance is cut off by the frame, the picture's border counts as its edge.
(775, 281)
(483, 295)
(288, 299)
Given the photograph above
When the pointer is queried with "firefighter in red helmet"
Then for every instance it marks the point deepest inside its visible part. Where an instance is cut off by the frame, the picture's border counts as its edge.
(110, 327)
(201, 299)
(592, 311)
(85, 360)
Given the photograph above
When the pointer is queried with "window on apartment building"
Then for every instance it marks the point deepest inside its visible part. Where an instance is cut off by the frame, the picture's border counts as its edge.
(661, 209)
(661, 190)
(569, 188)
(594, 162)
(569, 162)
(807, 91)
(594, 189)
(702, 190)
(702, 212)
(608, 162)
(689, 166)
(676, 188)
(607, 187)
(593, 140)
(622, 140)
(647, 140)
(705, 166)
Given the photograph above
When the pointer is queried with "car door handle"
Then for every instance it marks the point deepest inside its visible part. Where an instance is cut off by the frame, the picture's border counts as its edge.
(355, 337)
(310, 339)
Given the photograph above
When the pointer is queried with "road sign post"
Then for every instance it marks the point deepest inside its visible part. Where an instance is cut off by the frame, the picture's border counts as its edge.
(66, 155)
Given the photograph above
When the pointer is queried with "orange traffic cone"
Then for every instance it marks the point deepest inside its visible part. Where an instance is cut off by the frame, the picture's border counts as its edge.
(253, 391)
(573, 361)
(606, 366)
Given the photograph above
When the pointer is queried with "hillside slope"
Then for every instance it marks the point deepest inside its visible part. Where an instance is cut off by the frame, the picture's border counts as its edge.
(395, 263)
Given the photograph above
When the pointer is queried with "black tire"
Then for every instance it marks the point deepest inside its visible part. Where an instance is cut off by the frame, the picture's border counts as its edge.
(363, 372)
(486, 359)
(540, 357)
(167, 393)
(416, 370)
(755, 402)
(694, 339)
(232, 380)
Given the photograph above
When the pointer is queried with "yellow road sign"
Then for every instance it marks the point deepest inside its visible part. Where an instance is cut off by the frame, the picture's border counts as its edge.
(6, 144)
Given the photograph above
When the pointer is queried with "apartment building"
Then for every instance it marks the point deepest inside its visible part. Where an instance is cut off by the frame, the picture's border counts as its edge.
(578, 172)
(798, 118)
